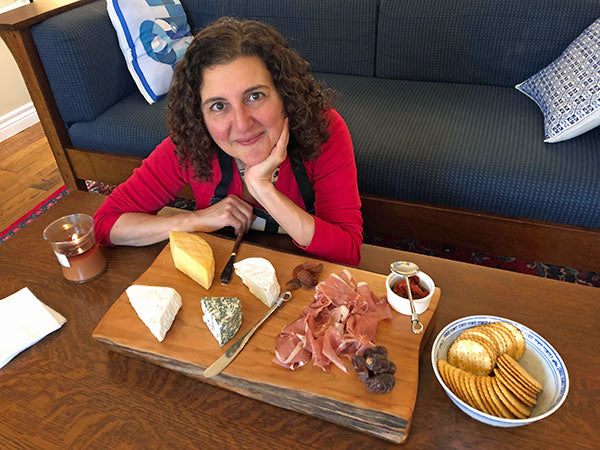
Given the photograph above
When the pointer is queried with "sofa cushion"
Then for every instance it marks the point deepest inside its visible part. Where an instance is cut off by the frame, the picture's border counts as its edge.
(497, 43)
(153, 36)
(131, 127)
(466, 146)
(77, 49)
(568, 90)
(334, 36)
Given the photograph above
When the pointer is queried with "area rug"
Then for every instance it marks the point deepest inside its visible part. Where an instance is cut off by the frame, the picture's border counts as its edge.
(436, 249)
(30, 216)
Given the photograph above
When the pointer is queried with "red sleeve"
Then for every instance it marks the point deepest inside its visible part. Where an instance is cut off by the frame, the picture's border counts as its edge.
(338, 220)
(152, 186)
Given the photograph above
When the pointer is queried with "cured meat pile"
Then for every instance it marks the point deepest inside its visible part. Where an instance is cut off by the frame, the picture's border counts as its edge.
(341, 322)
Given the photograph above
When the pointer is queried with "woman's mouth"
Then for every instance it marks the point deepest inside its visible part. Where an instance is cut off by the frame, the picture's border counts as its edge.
(249, 141)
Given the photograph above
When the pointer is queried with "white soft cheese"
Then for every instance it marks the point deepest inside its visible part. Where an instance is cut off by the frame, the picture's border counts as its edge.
(157, 307)
(259, 275)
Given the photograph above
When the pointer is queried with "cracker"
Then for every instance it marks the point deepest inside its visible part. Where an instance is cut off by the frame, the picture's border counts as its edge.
(471, 354)
(519, 339)
(470, 378)
(511, 347)
(454, 374)
(486, 336)
(508, 374)
(462, 376)
(519, 392)
(519, 370)
(486, 397)
(514, 411)
(515, 403)
(503, 412)
(445, 374)
(503, 345)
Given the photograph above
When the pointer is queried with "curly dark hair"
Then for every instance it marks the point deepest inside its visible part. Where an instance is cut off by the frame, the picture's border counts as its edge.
(305, 99)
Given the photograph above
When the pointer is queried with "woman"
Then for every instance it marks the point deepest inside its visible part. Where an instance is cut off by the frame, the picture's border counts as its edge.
(255, 137)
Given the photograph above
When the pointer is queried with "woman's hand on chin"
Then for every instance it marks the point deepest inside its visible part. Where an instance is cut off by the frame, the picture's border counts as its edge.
(231, 211)
(259, 175)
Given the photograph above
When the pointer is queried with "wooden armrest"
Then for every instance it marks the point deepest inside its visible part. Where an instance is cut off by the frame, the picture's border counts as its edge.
(38, 11)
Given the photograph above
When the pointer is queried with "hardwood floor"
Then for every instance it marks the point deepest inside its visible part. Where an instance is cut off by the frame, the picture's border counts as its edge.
(28, 173)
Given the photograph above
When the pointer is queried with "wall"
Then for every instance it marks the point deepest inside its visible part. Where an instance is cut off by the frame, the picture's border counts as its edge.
(16, 110)
(13, 93)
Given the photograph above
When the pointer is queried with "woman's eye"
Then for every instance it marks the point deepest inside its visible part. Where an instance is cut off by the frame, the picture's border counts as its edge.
(255, 96)
(219, 106)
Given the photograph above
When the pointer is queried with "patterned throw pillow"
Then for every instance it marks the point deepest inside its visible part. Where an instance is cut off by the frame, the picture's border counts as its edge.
(153, 36)
(568, 90)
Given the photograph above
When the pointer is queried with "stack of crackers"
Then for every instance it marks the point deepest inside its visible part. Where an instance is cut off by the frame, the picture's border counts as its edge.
(482, 370)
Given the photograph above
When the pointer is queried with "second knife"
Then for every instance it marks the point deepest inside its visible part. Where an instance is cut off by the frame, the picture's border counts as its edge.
(228, 269)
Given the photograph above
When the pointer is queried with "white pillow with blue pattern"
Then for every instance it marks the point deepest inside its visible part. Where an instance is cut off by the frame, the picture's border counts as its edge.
(153, 36)
(568, 90)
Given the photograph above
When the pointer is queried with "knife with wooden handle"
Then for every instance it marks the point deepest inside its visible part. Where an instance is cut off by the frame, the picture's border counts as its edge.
(228, 270)
(229, 355)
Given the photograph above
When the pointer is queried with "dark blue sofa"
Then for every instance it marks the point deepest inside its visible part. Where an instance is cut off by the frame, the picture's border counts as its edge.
(446, 148)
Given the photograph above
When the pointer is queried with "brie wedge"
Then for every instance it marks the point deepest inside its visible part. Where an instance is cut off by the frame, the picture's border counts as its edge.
(259, 275)
(157, 307)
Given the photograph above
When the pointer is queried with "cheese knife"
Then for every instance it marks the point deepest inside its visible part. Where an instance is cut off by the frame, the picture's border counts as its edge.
(228, 269)
(229, 355)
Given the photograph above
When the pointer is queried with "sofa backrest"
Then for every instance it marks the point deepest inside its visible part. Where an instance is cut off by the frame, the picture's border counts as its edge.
(336, 36)
(81, 56)
(466, 41)
(87, 72)
(476, 41)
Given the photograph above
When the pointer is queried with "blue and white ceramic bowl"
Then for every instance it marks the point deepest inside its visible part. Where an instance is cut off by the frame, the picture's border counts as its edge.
(540, 359)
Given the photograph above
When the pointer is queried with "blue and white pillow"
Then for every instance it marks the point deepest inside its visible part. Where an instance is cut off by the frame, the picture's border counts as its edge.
(568, 90)
(153, 36)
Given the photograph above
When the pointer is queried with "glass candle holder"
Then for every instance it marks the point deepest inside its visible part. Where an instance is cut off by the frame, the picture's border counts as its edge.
(72, 239)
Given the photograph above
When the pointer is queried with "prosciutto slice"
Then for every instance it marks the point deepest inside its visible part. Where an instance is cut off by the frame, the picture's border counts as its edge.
(341, 322)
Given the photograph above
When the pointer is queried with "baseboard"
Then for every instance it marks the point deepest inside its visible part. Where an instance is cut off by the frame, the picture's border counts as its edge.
(17, 120)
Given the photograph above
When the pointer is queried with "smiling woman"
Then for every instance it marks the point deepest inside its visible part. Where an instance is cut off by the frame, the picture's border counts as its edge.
(241, 98)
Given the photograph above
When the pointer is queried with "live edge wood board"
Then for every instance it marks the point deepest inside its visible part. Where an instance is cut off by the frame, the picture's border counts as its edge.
(338, 397)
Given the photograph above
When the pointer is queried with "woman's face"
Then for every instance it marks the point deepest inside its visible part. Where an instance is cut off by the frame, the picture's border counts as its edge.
(242, 109)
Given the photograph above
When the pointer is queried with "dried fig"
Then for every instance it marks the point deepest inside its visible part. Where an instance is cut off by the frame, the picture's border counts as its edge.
(313, 266)
(377, 350)
(307, 279)
(293, 284)
(377, 364)
(310, 266)
(380, 384)
(391, 368)
(358, 362)
(297, 269)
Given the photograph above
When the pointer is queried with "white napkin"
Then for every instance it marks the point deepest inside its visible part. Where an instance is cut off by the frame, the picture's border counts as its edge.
(24, 320)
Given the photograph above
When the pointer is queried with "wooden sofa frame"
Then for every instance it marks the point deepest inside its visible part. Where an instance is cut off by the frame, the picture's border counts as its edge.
(552, 243)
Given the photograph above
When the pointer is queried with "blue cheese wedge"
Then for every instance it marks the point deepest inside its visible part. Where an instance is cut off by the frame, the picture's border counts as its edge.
(223, 316)
(156, 306)
(259, 275)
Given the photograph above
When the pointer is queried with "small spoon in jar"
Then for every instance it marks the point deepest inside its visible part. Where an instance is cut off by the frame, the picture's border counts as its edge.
(408, 269)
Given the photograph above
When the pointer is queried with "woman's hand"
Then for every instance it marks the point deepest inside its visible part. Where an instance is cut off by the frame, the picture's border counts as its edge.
(294, 220)
(259, 175)
(231, 211)
(135, 228)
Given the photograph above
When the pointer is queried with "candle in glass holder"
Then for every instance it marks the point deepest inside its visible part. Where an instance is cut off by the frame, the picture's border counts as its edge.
(72, 239)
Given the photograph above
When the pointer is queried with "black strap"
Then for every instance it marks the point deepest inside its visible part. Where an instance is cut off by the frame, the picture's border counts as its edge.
(306, 189)
(299, 171)
(226, 177)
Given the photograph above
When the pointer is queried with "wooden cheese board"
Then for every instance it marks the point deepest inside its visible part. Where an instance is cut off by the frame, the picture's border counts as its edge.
(338, 397)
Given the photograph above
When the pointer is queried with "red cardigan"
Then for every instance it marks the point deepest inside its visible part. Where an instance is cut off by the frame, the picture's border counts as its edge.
(338, 220)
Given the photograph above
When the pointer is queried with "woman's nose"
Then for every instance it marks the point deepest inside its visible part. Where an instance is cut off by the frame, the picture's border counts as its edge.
(242, 119)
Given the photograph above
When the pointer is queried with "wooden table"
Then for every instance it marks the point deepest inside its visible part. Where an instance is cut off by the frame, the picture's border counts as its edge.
(68, 390)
